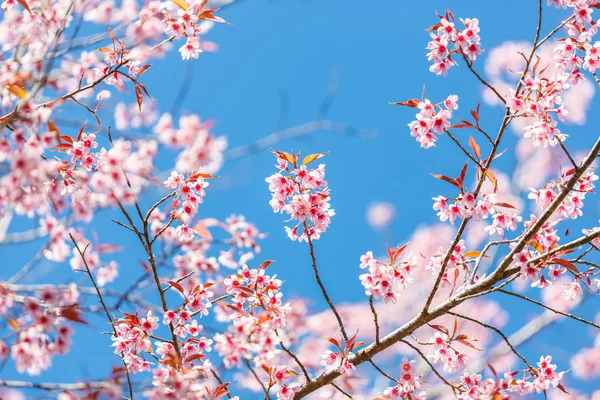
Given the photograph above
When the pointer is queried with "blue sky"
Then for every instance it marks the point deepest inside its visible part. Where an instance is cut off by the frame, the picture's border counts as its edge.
(377, 51)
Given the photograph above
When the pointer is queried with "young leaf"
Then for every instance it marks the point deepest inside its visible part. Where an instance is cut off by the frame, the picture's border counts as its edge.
(505, 205)
(468, 344)
(73, 313)
(25, 5)
(17, 91)
(474, 253)
(13, 323)
(177, 286)
(143, 69)
(446, 179)
(201, 229)
(412, 103)
(265, 264)
(139, 97)
(490, 175)
(475, 147)
(334, 342)
(465, 124)
(181, 4)
(312, 157)
(440, 328)
(208, 15)
(567, 264)
(285, 156)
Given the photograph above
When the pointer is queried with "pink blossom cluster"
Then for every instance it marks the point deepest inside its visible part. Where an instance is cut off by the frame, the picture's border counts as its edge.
(467, 206)
(456, 260)
(302, 194)
(190, 193)
(255, 313)
(541, 99)
(408, 383)
(42, 329)
(188, 25)
(129, 116)
(387, 280)
(572, 205)
(577, 51)
(200, 148)
(466, 42)
(538, 380)
(432, 119)
(445, 352)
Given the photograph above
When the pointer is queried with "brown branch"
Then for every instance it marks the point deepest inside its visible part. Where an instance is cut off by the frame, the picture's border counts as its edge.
(216, 376)
(341, 390)
(375, 319)
(320, 283)
(87, 268)
(520, 296)
(257, 378)
(499, 332)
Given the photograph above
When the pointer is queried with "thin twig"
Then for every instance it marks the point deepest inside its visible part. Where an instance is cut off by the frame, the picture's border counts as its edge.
(520, 296)
(87, 268)
(435, 371)
(320, 283)
(375, 319)
(499, 332)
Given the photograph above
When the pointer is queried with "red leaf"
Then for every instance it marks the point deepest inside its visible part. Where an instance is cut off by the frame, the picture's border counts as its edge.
(412, 103)
(177, 286)
(139, 97)
(396, 252)
(440, 328)
(265, 264)
(475, 147)
(567, 264)
(193, 357)
(465, 124)
(334, 342)
(455, 326)
(286, 156)
(468, 344)
(463, 173)
(92, 396)
(209, 16)
(446, 179)
(505, 205)
(560, 386)
(475, 114)
(73, 313)
(143, 69)
(351, 341)
(492, 369)
(25, 5)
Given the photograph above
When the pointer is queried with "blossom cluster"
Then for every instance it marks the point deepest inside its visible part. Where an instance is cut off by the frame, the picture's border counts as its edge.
(541, 98)
(42, 329)
(190, 193)
(387, 280)
(432, 119)
(302, 194)
(466, 42)
(408, 383)
(256, 307)
(467, 206)
(200, 148)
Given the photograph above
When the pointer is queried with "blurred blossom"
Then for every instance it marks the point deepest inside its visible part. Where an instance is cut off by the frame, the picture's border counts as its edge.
(380, 215)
